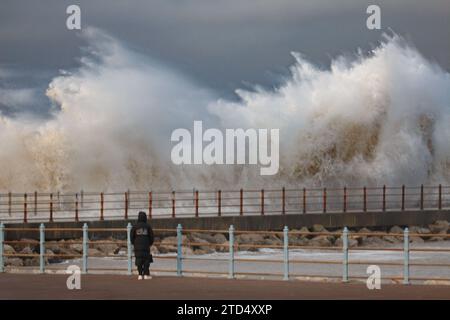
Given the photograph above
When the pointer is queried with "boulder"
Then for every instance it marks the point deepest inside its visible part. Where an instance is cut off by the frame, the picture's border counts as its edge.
(33, 262)
(416, 240)
(26, 250)
(77, 247)
(436, 239)
(198, 246)
(440, 226)
(392, 239)
(13, 262)
(351, 242)
(419, 230)
(93, 252)
(33, 244)
(201, 235)
(107, 248)
(169, 244)
(273, 240)
(320, 241)
(250, 238)
(153, 250)
(304, 230)
(373, 241)
(224, 247)
(220, 238)
(396, 229)
(7, 249)
(318, 228)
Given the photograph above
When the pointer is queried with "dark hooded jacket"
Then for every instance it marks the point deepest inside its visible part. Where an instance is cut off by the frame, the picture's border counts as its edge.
(142, 236)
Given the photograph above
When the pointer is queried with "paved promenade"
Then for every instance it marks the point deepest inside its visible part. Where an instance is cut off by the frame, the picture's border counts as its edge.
(28, 286)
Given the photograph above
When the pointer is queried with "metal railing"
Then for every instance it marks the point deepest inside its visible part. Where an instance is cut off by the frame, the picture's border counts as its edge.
(88, 206)
(281, 267)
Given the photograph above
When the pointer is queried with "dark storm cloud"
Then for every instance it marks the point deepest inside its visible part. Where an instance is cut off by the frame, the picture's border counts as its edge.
(222, 44)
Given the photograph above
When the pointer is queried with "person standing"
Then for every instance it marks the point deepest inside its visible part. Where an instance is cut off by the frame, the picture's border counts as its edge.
(142, 240)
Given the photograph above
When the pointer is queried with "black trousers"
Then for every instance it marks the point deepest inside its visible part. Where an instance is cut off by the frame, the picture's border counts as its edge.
(143, 265)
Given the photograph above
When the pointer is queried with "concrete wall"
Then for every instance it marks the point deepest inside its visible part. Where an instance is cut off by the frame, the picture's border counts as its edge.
(268, 222)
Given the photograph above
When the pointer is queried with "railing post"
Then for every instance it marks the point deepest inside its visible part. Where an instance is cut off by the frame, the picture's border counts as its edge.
(384, 198)
(304, 200)
(403, 197)
(231, 248)
(345, 200)
(440, 197)
(76, 207)
(173, 204)
(365, 199)
(286, 252)
(196, 203)
(85, 248)
(241, 202)
(9, 203)
(51, 207)
(25, 211)
(102, 203)
(35, 203)
(219, 203)
(262, 202)
(126, 205)
(41, 248)
(150, 204)
(324, 200)
(2, 240)
(345, 254)
(179, 250)
(406, 256)
(82, 198)
(129, 249)
(283, 201)
(421, 197)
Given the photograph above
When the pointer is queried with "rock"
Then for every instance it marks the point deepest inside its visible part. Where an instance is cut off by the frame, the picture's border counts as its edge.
(273, 240)
(224, 247)
(198, 246)
(220, 238)
(416, 240)
(13, 262)
(419, 230)
(392, 239)
(7, 249)
(298, 241)
(33, 262)
(186, 251)
(107, 248)
(50, 257)
(318, 228)
(440, 226)
(92, 252)
(153, 250)
(303, 230)
(169, 244)
(201, 235)
(26, 250)
(373, 241)
(77, 247)
(250, 238)
(436, 239)
(396, 229)
(351, 242)
(33, 244)
(320, 241)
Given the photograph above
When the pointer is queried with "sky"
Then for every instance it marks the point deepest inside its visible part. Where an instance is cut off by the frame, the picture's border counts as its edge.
(222, 44)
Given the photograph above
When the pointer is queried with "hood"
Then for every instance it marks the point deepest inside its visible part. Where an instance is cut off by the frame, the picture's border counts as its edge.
(142, 217)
